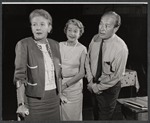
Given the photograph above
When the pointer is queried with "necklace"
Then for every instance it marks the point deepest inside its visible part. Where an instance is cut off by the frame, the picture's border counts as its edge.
(49, 69)
(66, 59)
(47, 46)
(50, 72)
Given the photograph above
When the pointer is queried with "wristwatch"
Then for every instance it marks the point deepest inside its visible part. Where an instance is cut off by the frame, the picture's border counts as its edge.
(20, 104)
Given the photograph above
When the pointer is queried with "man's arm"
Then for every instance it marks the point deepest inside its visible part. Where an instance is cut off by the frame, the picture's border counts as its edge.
(89, 75)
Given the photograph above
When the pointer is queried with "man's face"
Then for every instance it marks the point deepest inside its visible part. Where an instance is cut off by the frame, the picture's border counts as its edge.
(106, 26)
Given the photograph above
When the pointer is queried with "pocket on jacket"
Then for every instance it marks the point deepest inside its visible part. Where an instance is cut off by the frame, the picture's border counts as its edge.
(32, 67)
(31, 84)
(32, 73)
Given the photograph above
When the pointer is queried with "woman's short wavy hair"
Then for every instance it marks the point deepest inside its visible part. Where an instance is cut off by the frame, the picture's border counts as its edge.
(75, 22)
(41, 12)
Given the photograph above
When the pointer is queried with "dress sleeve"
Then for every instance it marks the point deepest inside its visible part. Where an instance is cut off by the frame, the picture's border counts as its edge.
(119, 65)
(20, 63)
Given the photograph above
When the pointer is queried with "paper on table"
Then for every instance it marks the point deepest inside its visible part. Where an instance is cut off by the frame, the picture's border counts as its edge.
(143, 98)
(136, 106)
(138, 102)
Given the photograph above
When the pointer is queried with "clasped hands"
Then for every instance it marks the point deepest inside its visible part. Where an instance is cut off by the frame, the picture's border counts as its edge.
(94, 88)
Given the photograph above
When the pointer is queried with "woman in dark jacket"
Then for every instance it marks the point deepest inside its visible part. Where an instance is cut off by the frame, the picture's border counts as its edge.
(38, 72)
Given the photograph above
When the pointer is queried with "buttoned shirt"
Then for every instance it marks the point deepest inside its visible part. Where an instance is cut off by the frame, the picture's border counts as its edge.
(114, 58)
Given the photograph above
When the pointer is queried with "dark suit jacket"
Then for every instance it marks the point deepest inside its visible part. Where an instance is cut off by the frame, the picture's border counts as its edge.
(29, 66)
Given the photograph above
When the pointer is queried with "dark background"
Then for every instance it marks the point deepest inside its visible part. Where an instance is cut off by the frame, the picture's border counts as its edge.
(16, 26)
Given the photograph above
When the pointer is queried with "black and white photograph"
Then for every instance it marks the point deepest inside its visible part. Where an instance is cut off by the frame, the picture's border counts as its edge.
(74, 61)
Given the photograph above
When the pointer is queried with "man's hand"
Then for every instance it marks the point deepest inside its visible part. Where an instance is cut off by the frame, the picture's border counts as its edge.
(89, 86)
(95, 89)
(99, 92)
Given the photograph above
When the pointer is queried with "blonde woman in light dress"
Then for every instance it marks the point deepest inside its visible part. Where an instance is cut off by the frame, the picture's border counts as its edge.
(73, 55)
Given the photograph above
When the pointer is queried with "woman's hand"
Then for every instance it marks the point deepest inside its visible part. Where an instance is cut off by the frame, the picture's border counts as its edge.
(63, 87)
(63, 99)
(22, 110)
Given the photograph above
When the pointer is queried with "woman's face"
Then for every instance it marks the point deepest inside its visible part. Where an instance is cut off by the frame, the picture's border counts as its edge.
(73, 32)
(40, 27)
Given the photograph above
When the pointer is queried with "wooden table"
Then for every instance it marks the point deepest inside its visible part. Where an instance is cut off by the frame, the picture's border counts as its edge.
(132, 113)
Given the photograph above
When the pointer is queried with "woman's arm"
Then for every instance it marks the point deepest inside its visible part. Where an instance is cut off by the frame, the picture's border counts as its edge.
(22, 109)
(20, 76)
(20, 67)
(79, 75)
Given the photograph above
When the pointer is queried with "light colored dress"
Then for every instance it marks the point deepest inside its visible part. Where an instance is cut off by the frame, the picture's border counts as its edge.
(71, 56)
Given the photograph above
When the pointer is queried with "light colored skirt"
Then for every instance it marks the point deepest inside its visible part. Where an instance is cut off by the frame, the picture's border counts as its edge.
(72, 110)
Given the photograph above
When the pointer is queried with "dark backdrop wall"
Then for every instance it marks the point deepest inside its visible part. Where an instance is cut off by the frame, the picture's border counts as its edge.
(15, 26)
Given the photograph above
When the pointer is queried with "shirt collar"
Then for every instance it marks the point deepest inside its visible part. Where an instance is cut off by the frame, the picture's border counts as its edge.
(110, 39)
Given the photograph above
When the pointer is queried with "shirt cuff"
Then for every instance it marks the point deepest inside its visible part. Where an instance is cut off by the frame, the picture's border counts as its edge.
(89, 80)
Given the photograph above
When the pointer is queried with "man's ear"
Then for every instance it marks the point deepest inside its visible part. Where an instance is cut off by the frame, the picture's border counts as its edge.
(116, 29)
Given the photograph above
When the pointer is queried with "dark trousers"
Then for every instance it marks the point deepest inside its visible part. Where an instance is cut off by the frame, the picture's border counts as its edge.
(104, 104)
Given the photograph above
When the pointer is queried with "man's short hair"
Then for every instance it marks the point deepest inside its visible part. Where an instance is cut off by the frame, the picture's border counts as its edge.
(118, 18)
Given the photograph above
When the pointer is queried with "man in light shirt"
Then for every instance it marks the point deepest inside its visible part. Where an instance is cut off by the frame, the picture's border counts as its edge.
(106, 88)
